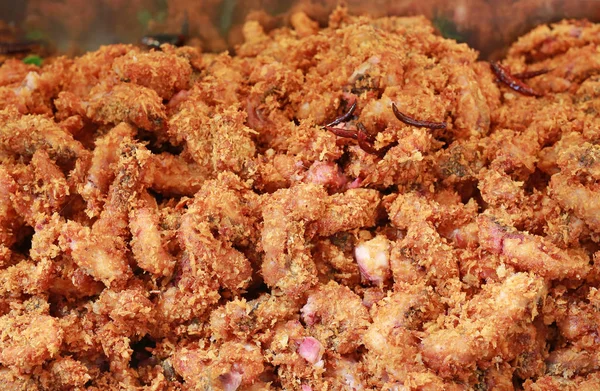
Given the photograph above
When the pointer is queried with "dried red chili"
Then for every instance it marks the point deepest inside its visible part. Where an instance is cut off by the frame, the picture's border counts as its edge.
(530, 74)
(344, 117)
(365, 143)
(415, 122)
(511, 81)
(342, 132)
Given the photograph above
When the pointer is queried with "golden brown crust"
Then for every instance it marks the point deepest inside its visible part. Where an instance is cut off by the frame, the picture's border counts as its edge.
(29, 340)
(171, 220)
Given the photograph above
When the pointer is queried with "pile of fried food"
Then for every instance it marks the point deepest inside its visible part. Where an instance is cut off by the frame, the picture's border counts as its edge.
(361, 207)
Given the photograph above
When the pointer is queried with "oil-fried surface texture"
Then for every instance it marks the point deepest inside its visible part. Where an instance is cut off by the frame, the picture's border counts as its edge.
(171, 220)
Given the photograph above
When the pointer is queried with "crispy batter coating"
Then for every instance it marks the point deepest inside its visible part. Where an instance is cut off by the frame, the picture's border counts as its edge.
(241, 319)
(101, 172)
(23, 135)
(89, 69)
(66, 373)
(216, 141)
(42, 188)
(101, 249)
(582, 200)
(233, 222)
(125, 102)
(355, 208)
(28, 340)
(532, 253)
(26, 277)
(9, 219)
(177, 175)
(171, 220)
(288, 263)
(226, 367)
(147, 243)
(390, 340)
(163, 73)
(335, 314)
(453, 349)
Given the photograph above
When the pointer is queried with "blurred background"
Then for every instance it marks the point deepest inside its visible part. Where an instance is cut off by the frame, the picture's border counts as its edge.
(75, 26)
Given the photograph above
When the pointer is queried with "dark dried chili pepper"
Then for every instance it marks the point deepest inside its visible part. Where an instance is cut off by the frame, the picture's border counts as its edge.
(415, 122)
(361, 129)
(511, 81)
(530, 74)
(342, 132)
(365, 143)
(344, 117)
